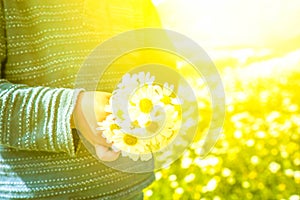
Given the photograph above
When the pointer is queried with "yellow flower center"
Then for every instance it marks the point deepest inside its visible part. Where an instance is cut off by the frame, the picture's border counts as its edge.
(146, 105)
(178, 108)
(114, 126)
(130, 140)
(166, 99)
(135, 124)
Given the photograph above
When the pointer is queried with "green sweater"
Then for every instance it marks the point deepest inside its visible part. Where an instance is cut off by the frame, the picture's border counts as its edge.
(43, 44)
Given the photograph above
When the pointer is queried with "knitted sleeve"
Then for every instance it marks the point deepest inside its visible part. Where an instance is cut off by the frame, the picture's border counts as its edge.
(34, 118)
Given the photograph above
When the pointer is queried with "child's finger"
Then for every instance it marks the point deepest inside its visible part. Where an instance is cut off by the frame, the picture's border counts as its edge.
(105, 154)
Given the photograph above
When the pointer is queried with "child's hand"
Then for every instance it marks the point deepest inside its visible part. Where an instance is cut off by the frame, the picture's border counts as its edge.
(88, 111)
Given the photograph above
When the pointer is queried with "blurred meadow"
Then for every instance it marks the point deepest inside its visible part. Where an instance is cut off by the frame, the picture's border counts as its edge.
(256, 47)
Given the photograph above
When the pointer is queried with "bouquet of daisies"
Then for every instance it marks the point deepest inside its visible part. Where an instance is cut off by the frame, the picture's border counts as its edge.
(144, 117)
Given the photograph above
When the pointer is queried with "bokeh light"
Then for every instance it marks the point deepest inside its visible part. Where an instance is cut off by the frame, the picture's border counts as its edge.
(256, 47)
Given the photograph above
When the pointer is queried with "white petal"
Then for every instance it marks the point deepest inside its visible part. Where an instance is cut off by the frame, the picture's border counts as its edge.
(115, 149)
(134, 157)
(100, 128)
(143, 119)
(175, 101)
(146, 157)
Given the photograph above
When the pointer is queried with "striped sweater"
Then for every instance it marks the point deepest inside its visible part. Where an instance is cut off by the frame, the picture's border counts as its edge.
(43, 43)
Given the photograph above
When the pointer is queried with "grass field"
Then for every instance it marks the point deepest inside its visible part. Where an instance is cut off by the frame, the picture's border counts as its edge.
(258, 154)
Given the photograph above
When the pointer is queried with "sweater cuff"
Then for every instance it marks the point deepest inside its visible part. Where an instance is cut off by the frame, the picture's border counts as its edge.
(69, 141)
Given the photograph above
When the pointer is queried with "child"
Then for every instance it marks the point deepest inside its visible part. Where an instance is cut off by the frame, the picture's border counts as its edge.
(43, 44)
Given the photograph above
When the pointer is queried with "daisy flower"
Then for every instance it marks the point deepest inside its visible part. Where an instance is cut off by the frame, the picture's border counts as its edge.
(130, 146)
(144, 117)
(167, 95)
(108, 128)
(142, 104)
